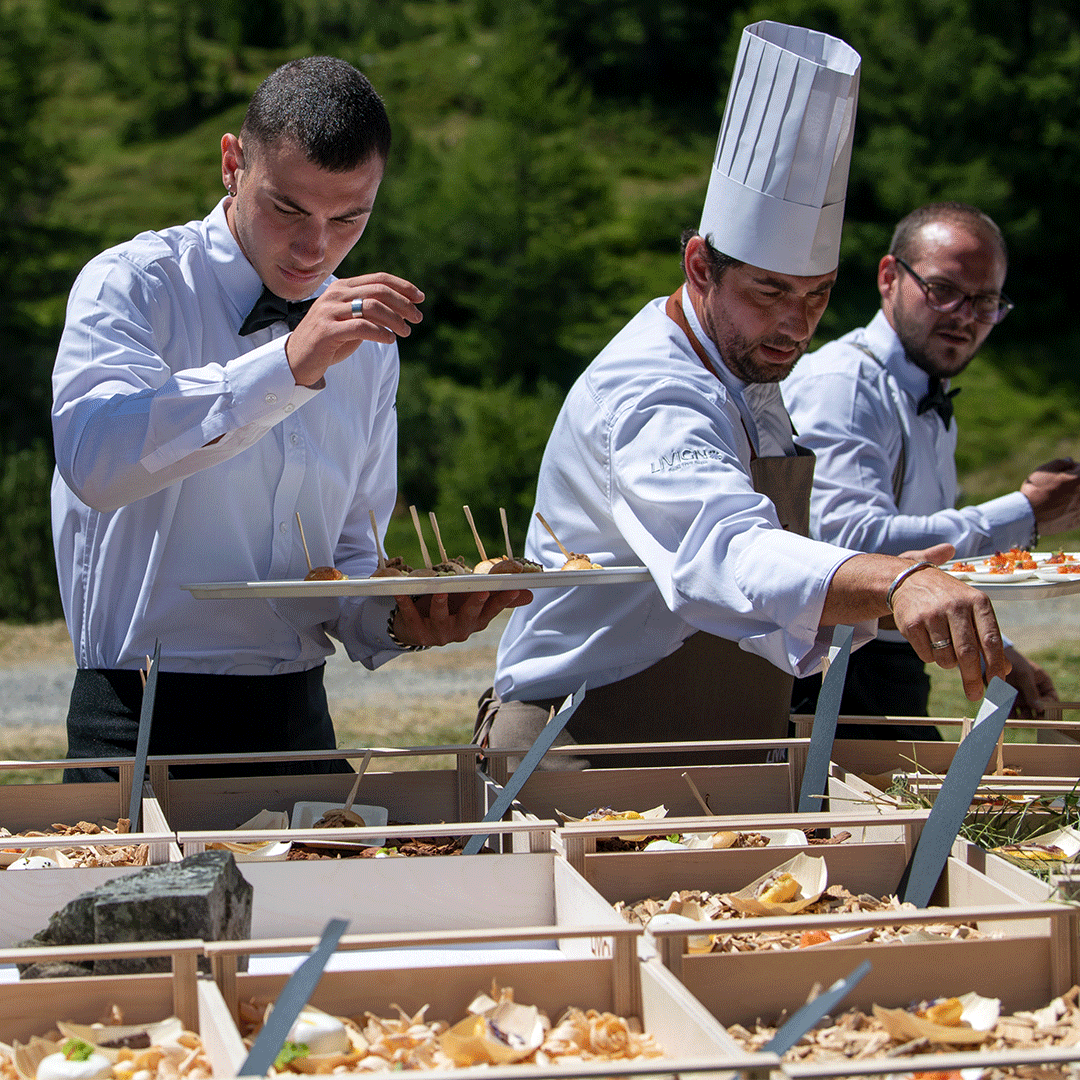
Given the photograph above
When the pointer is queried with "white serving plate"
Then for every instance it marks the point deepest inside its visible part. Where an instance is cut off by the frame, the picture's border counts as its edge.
(417, 586)
(305, 814)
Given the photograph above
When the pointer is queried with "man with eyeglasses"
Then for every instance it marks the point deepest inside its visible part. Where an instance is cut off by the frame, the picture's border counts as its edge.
(876, 409)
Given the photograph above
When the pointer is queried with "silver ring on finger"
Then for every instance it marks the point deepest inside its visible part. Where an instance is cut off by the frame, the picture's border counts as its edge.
(943, 644)
(358, 308)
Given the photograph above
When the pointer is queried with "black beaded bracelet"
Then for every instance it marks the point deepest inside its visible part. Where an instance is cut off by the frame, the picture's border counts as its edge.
(402, 645)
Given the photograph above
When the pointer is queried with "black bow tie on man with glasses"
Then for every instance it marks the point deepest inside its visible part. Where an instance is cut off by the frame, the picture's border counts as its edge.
(938, 399)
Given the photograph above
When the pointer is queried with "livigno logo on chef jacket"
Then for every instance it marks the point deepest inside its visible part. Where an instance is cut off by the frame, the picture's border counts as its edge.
(685, 458)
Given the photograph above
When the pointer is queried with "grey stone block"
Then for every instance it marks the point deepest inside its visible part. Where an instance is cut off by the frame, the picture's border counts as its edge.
(204, 896)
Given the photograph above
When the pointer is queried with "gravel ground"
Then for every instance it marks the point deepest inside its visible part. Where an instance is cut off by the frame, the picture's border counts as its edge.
(35, 691)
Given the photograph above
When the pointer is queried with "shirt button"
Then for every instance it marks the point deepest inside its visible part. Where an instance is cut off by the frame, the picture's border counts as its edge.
(270, 399)
(294, 439)
(283, 527)
(289, 408)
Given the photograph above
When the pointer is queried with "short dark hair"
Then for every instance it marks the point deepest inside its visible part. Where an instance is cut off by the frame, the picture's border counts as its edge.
(719, 263)
(324, 105)
(905, 237)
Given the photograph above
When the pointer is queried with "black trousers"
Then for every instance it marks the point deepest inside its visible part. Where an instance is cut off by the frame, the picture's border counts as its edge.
(884, 678)
(201, 714)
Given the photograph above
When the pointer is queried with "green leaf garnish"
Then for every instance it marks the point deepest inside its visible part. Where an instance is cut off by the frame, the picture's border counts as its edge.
(290, 1052)
(77, 1050)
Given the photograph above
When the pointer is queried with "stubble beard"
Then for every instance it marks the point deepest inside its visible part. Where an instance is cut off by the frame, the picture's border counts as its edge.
(737, 354)
(919, 353)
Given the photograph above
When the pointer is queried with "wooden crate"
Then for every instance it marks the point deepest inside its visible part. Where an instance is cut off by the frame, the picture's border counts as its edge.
(1033, 962)
(578, 841)
(1042, 768)
(739, 790)
(418, 796)
(293, 899)
(32, 1007)
(616, 982)
(1024, 973)
(875, 868)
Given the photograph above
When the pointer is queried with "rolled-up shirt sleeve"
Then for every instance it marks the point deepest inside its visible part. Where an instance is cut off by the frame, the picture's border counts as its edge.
(683, 499)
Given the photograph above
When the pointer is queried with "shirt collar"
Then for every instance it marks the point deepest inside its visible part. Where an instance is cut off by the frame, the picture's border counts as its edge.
(880, 338)
(237, 278)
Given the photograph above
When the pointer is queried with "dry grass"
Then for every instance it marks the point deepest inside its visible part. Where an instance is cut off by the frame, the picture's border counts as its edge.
(47, 641)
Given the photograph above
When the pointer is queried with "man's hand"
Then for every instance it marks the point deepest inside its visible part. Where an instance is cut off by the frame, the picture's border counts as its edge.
(441, 622)
(329, 332)
(1053, 490)
(952, 625)
(937, 554)
(1031, 682)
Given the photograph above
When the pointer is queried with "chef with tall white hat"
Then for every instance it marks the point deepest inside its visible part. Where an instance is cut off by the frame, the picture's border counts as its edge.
(673, 450)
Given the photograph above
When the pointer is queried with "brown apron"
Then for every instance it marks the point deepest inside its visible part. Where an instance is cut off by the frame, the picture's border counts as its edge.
(708, 688)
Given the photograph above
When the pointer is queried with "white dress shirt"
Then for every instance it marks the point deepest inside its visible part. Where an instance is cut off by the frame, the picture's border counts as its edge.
(858, 415)
(184, 452)
(649, 463)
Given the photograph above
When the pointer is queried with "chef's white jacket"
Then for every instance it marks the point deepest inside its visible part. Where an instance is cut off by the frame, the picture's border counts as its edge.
(649, 464)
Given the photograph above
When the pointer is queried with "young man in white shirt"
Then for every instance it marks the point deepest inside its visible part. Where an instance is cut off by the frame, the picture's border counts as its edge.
(214, 381)
(875, 407)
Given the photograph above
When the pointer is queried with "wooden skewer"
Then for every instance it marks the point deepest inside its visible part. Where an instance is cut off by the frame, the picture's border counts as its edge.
(420, 536)
(697, 795)
(1000, 770)
(356, 784)
(438, 536)
(506, 533)
(378, 543)
(553, 536)
(303, 541)
(476, 535)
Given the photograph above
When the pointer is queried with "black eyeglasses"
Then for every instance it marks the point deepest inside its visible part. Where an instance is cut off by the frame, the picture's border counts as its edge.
(941, 296)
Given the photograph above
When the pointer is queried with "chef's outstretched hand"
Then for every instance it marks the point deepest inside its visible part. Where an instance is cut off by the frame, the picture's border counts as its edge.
(442, 618)
(952, 625)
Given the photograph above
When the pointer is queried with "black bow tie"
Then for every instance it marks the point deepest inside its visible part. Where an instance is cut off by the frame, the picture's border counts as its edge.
(270, 308)
(941, 400)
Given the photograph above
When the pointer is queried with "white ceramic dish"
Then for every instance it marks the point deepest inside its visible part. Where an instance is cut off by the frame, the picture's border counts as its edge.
(417, 586)
(1053, 573)
(305, 814)
(999, 579)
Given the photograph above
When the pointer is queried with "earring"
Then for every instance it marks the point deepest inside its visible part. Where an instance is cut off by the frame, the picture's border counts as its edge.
(231, 191)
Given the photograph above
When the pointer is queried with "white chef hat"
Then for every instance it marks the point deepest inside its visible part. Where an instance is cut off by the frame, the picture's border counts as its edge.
(776, 194)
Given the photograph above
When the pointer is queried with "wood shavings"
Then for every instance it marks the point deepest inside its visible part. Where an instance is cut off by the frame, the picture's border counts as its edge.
(92, 855)
(855, 1035)
(411, 847)
(496, 1030)
(836, 900)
